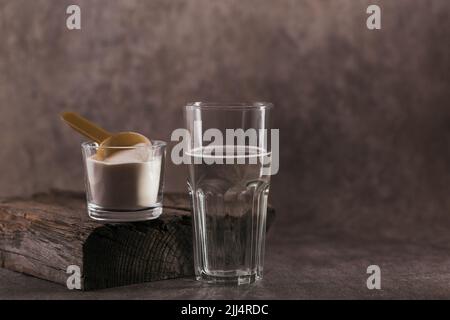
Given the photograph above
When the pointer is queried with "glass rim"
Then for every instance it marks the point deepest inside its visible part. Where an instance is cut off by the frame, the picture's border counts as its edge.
(156, 144)
(257, 105)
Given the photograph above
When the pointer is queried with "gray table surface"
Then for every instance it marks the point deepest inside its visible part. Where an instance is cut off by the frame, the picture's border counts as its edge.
(301, 263)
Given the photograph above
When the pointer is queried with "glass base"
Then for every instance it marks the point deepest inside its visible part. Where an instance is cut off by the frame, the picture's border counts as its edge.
(97, 213)
(231, 280)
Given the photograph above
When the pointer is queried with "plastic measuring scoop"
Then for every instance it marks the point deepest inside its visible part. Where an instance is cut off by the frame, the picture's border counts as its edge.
(106, 140)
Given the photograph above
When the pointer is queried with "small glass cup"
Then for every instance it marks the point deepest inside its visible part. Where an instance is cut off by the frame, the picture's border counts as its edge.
(127, 185)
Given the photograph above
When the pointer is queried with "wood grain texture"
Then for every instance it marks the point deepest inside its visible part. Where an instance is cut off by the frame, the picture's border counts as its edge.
(43, 235)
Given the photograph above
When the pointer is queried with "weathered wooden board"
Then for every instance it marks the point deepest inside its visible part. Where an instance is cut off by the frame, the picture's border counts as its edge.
(44, 234)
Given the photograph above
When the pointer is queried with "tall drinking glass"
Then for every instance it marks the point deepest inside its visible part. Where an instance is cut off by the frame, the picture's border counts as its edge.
(229, 163)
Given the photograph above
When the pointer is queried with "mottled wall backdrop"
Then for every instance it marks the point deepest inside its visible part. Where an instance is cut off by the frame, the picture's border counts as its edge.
(364, 115)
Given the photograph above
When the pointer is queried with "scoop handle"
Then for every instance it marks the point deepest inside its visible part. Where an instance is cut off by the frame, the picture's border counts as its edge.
(85, 127)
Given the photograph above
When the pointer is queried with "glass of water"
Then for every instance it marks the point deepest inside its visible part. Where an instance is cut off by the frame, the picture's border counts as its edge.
(229, 158)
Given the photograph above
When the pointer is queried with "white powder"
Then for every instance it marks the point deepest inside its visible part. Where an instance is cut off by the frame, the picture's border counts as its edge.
(126, 180)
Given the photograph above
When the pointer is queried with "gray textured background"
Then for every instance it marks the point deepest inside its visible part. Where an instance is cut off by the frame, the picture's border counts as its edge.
(364, 118)
(364, 115)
